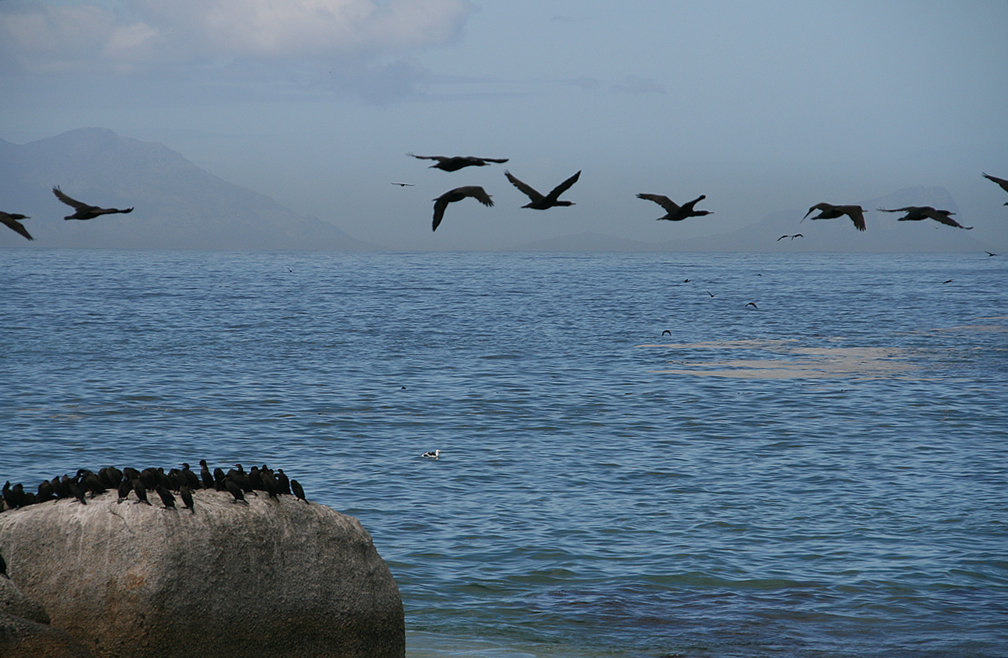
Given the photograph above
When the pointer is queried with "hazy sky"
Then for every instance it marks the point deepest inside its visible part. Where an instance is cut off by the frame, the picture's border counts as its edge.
(761, 106)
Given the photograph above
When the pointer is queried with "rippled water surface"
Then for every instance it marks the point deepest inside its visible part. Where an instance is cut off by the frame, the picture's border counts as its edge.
(825, 473)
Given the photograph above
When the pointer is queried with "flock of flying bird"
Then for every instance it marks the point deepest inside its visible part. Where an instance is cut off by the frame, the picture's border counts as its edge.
(673, 211)
(538, 201)
(184, 481)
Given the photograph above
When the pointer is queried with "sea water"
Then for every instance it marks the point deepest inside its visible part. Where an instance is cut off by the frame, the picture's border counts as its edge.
(641, 454)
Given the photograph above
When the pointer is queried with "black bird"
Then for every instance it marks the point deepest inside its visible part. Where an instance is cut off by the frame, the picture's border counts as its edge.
(1000, 181)
(666, 332)
(10, 220)
(459, 193)
(166, 497)
(920, 213)
(141, 491)
(110, 476)
(753, 304)
(208, 480)
(84, 210)
(796, 235)
(283, 482)
(187, 500)
(673, 211)
(829, 211)
(232, 488)
(455, 162)
(125, 487)
(298, 490)
(3, 568)
(190, 478)
(540, 202)
(403, 184)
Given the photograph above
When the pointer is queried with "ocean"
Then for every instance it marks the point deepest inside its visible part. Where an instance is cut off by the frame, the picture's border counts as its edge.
(641, 454)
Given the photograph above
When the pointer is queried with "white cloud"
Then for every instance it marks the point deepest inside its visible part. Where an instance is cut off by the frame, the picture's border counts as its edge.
(95, 35)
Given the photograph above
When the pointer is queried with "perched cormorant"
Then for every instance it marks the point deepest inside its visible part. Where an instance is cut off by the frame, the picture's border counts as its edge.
(232, 488)
(283, 482)
(1000, 181)
(459, 193)
(141, 491)
(540, 202)
(166, 497)
(190, 478)
(10, 220)
(208, 481)
(432, 454)
(84, 210)
(673, 211)
(187, 500)
(829, 211)
(298, 490)
(920, 213)
(455, 162)
(124, 489)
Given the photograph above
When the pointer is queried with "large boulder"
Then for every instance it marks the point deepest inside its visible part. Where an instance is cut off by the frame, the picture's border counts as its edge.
(25, 629)
(273, 577)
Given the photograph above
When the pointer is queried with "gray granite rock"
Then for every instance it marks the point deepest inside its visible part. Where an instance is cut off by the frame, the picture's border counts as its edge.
(20, 637)
(272, 577)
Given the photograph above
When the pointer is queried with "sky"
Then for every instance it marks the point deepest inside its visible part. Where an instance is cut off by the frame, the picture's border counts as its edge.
(762, 106)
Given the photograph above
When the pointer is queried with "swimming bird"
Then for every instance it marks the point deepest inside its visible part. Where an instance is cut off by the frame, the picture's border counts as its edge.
(919, 213)
(829, 211)
(84, 210)
(459, 193)
(298, 490)
(666, 331)
(673, 211)
(456, 162)
(10, 220)
(753, 304)
(1000, 181)
(540, 202)
(432, 454)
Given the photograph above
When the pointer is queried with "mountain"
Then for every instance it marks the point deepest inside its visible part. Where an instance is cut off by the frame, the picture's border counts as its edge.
(178, 205)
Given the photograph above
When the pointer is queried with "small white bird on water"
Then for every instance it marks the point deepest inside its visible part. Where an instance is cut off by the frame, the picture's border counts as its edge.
(432, 455)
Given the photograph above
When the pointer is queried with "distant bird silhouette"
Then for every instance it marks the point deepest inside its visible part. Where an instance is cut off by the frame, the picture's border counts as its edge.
(537, 200)
(456, 162)
(675, 212)
(85, 211)
(432, 454)
(10, 220)
(459, 193)
(1000, 181)
(403, 184)
(829, 211)
(991, 253)
(753, 304)
(919, 213)
(796, 235)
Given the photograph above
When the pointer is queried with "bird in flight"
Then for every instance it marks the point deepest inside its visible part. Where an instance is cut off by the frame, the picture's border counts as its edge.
(403, 184)
(829, 211)
(537, 200)
(675, 212)
(920, 213)
(10, 220)
(459, 193)
(796, 235)
(456, 162)
(84, 210)
(1000, 181)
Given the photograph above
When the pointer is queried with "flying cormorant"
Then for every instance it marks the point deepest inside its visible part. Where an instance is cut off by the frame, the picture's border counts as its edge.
(919, 213)
(675, 212)
(10, 220)
(540, 202)
(1000, 181)
(459, 193)
(829, 211)
(456, 162)
(85, 211)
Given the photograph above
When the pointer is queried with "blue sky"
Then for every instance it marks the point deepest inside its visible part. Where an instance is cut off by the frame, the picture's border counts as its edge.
(761, 106)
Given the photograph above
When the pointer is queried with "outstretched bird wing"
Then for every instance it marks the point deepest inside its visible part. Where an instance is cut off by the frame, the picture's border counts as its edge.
(427, 157)
(818, 206)
(458, 194)
(944, 218)
(563, 187)
(79, 205)
(497, 160)
(440, 204)
(526, 189)
(668, 204)
(14, 225)
(856, 213)
(907, 209)
(1000, 181)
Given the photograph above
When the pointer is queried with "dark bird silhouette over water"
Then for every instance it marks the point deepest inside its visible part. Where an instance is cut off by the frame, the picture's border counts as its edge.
(85, 211)
(829, 211)
(456, 162)
(10, 220)
(459, 193)
(753, 304)
(675, 212)
(1000, 181)
(540, 202)
(920, 213)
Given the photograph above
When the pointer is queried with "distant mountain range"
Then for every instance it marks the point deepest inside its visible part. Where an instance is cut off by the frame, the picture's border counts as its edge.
(178, 205)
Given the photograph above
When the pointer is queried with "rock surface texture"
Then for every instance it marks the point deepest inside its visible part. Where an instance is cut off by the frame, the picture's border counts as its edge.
(274, 577)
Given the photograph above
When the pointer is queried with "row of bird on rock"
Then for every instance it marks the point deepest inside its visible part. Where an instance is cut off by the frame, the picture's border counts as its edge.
(538, 201)
(236, 481)
(673, 211)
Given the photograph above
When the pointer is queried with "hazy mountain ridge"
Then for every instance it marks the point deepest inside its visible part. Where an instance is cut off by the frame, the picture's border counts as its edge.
(178, 205)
